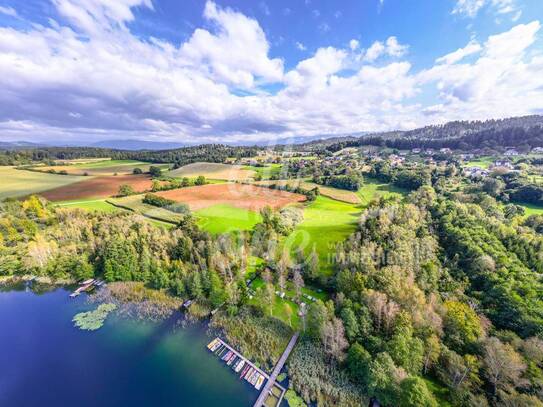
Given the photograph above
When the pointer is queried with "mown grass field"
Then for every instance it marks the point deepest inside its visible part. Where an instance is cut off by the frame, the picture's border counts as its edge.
(330, 192)
(16, 183)
(326, 222)
(483, 162)
(222, 218)
(104, 167)
(265, 172)
(90, 205)
(373, 189)
(219, 171)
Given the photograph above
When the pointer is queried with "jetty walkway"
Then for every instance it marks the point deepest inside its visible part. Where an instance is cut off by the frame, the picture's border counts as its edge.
(276, 370)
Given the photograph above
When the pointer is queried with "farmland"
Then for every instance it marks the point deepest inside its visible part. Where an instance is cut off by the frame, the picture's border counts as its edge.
(213, 171)
(242, 196)
(16, 183)
(89, 205)
(267, 171)
(333, 193)
(226, 218)
(96, 187)
(134, 203)
(101, 167)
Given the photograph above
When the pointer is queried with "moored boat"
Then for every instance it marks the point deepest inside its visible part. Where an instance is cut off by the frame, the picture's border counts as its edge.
(254, 378)
(240, 365)
(242, 375)
(227, 356)
(259, 382)
(249, 373)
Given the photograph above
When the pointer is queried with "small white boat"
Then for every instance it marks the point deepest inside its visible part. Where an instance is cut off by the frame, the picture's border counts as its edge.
(240, 366)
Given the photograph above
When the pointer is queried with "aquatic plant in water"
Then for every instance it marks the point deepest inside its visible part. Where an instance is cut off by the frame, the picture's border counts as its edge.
(93, 320)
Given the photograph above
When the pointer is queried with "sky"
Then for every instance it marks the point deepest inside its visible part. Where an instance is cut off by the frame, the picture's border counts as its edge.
(232, 71)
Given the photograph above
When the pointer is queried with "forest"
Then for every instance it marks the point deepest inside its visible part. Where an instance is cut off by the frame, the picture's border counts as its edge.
(179, 157)
(523, 133)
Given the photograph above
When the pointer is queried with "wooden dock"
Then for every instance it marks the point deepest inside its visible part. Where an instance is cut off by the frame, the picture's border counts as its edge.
(276, 370)
(248, 362)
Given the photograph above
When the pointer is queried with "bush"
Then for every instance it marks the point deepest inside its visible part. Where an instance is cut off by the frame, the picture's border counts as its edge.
(126, 190)
(159, 201)
(155, 172)
(179, 207)
(137, 171)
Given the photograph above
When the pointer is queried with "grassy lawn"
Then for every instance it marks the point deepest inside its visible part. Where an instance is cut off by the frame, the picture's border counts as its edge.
(221, 218)
(531, 209)
(281, 305)
(265, 172)
(483, 162)
(326, 222)
(330, 192)
(212, 171)
(16, 183)
(104, 206)
(89, 205)
(373, 189)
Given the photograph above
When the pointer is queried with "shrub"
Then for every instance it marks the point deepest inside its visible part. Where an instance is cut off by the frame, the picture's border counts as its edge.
(159, 201)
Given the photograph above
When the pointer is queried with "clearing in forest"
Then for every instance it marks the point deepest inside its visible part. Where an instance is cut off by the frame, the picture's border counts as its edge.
(213, 171)
(242, 196)
(98, 187)
(16, 183)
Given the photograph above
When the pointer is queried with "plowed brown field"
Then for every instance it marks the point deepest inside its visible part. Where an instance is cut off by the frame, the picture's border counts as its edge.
(98, 187)
(239, 195)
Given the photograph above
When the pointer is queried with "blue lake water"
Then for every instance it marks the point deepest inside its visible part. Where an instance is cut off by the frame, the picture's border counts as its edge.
(46, 361)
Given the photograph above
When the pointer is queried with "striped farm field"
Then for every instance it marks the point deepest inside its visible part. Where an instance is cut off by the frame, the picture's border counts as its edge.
(97, 187)
(17, 183)
(103, 167)
(243, 196)
(330, 192)
(225, 172)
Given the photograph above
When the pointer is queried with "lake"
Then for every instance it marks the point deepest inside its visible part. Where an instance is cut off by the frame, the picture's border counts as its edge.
(46, 361)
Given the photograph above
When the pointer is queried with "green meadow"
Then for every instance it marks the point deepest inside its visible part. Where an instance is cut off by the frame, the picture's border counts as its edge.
(373, 189)
(532, 209)
(326, 222)
(265, 172)
(89, 205)
(221, 218)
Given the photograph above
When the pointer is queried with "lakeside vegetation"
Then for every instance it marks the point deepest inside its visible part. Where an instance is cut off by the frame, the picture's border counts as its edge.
(93, 320)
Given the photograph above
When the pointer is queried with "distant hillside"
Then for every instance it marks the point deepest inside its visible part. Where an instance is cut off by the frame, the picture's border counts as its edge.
(521, 132)
(18, 145)
(136, 145)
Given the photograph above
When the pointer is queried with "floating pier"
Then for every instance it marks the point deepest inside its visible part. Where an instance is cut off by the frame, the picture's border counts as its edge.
(249, 371)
